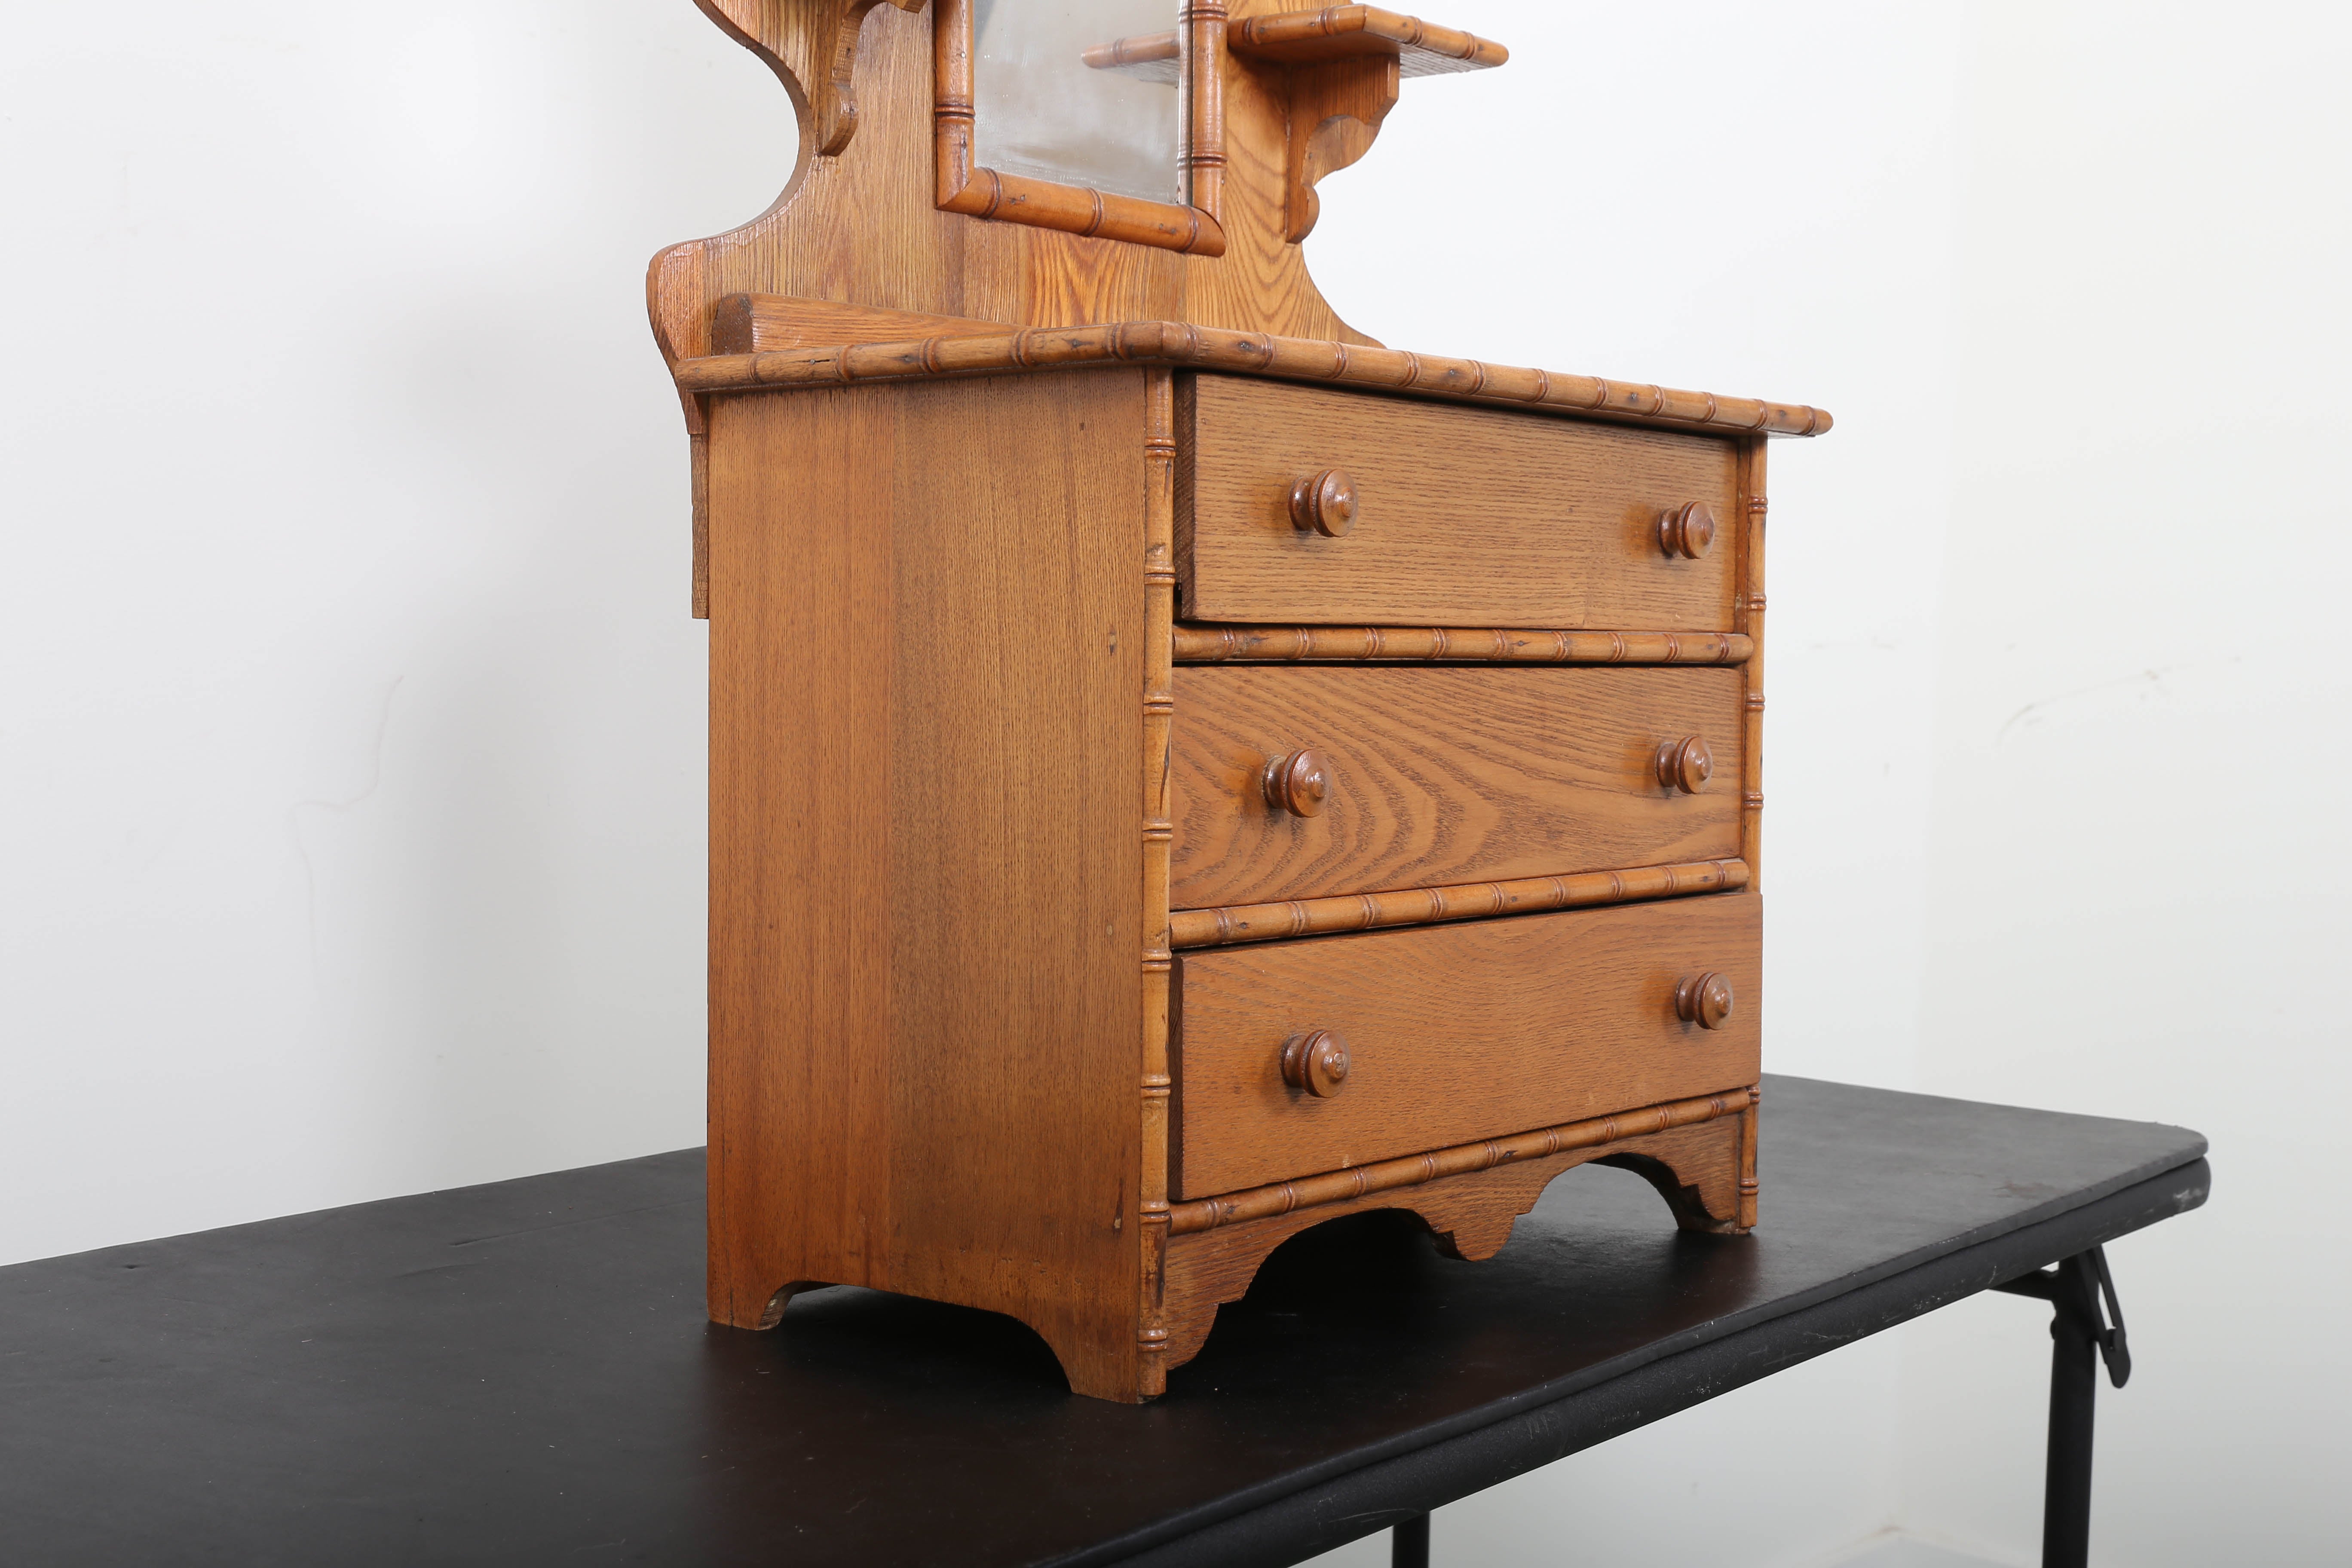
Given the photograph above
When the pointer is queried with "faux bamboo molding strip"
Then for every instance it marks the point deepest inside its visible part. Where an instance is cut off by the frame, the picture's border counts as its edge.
(1376, 645)
(1204, 110)
(1424, 906)
(1414, 1170)
(1159, 834)
(1749, 619)
(1262, 354)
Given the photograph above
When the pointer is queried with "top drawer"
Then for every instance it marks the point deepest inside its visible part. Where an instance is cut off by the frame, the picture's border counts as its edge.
(1464, 516)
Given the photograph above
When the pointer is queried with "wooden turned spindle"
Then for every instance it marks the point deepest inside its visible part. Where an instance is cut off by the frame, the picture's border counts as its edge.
(1317, 1062)
(1705, 1000)
(1324, 503)
(1298, 783)
(1688, 531)
(1685, 764)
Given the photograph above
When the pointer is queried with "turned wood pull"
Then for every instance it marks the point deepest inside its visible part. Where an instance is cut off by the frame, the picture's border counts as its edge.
(1324, 502)
(1317, 1062)
(1688, 531)
(1705, 1000)
(1298, 783)
(1685, 764)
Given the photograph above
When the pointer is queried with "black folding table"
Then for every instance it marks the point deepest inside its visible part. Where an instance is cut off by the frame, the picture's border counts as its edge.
(522, 1372)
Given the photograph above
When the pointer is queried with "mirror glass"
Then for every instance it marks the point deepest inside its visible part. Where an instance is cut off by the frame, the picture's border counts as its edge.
(1081, 92)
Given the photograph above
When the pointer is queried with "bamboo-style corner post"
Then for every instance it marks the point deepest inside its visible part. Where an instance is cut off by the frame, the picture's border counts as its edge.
(1159, 832)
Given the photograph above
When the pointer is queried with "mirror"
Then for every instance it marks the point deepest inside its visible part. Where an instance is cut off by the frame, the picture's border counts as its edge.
(1080, 92)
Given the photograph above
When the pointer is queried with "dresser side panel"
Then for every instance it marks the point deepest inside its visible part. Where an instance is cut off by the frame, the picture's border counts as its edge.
(801, 647)
(928, 613)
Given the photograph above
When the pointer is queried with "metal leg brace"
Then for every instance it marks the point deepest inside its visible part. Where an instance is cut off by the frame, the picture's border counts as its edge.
(2080, 1339)
(2075, 1288)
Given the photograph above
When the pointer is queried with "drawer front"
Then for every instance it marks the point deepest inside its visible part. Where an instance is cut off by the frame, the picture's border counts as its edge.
(1455, 1034)
(1437, 776)
(1464, 516)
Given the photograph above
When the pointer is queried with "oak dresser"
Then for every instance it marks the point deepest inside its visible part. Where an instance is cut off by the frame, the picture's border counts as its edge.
(1181, 772)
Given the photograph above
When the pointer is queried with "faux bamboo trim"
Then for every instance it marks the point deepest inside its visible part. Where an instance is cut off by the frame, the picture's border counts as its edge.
(1201, 643)
(1414, 1170)
(1202, 94)
(1259, 353)
(1425, 906)
(1748, 617)
(1747, 1161)
(698, 455)
(1159, 703)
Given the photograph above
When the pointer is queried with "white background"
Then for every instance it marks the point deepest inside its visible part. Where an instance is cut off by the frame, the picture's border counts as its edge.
(351, 788)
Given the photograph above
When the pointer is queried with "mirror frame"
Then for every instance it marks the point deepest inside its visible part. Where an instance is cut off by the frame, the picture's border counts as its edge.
(1195, 228)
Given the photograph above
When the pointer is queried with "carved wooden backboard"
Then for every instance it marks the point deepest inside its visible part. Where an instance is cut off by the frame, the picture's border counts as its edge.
(890, 210)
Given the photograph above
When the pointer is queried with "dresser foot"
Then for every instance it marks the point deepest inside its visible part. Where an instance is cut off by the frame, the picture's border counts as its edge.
(1100, 1351)
(1705, 1174)
(755, 1311)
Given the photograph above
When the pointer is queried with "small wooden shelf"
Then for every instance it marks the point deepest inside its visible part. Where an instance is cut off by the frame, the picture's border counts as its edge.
(1363, 32)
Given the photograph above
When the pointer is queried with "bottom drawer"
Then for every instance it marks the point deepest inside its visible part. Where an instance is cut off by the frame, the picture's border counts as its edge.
(1454, 1034)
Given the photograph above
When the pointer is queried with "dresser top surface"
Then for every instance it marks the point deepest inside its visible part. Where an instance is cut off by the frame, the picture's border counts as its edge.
(522, 1369)
(1309, 360)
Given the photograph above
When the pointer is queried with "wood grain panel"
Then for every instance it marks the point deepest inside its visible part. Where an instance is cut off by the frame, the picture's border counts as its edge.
(1455, 1034)
(1440, 776)
(1464, 516)
(926, 993)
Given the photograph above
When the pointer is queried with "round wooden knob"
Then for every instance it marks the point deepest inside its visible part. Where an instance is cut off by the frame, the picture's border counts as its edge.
(1325, 502)
(1685, 764)
(1298, 783)
(1688, 531)
(1316, 1062)
(1705, 1000)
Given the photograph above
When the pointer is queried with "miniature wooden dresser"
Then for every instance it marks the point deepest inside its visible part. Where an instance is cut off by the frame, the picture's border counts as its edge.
(1180, 770)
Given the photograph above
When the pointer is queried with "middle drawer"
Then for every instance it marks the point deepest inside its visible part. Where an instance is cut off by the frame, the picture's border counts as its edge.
(1434, 776)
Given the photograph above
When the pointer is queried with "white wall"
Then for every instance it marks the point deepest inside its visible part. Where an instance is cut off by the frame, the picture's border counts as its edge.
(350, 801)
(2143, 773)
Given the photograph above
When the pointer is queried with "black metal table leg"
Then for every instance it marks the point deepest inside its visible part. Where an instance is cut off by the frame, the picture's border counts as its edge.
(2074, 1290)
(2074, 1400)
(1409, 1543)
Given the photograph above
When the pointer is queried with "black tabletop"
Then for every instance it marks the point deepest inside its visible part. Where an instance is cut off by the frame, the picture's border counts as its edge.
(522, 1372)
